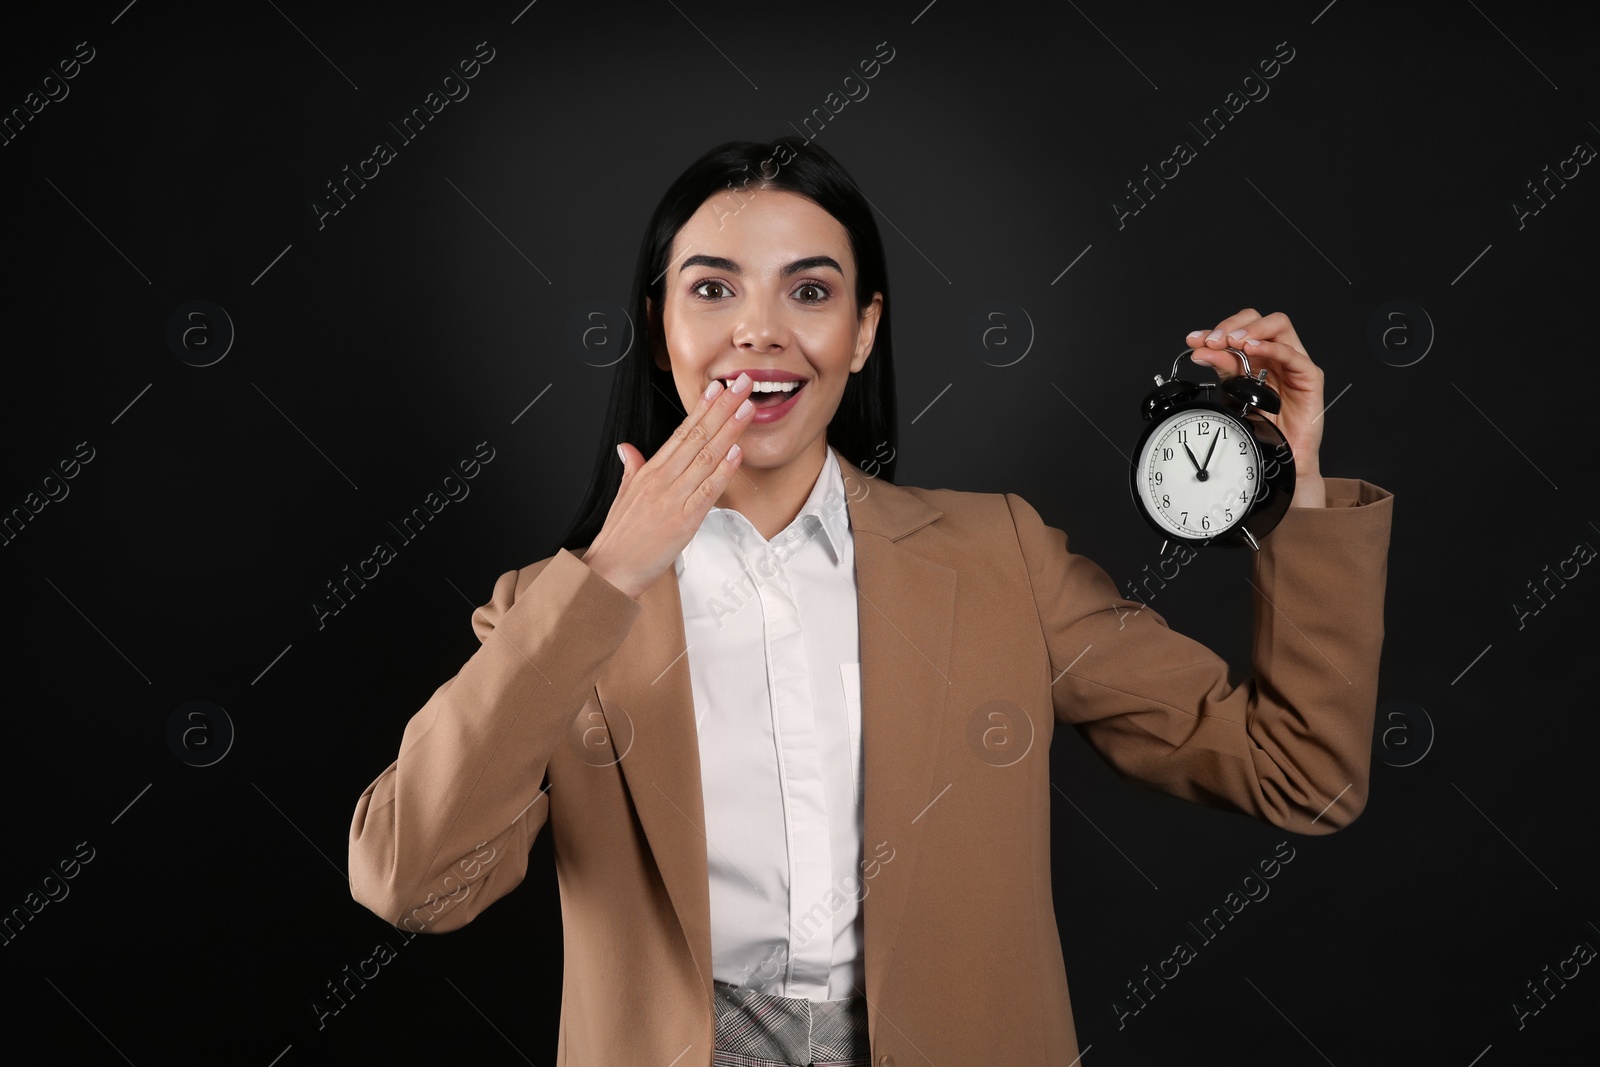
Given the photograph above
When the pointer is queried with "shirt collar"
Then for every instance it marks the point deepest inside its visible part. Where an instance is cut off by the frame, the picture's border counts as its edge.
(824, 514)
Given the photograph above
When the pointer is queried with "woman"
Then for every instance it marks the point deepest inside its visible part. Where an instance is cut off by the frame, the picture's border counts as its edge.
(763, 685)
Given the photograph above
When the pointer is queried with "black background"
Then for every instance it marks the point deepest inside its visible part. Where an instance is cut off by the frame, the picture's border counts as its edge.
(375, 352)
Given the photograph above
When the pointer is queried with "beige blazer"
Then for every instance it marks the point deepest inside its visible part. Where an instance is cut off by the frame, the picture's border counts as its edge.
(980, 631)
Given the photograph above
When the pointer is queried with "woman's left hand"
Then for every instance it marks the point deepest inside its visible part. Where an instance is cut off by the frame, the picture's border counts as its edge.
(1269, 341)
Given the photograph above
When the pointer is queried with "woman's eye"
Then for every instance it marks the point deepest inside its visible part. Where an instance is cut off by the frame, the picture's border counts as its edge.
(820, 291)
(721, 290)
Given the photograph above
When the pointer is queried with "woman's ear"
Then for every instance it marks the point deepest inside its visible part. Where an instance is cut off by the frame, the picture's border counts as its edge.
(867, 331)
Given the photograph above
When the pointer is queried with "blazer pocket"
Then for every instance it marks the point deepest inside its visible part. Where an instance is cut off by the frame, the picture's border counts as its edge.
(850, 678)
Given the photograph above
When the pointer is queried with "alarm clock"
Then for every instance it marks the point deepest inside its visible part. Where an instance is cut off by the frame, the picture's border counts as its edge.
(1211, 467)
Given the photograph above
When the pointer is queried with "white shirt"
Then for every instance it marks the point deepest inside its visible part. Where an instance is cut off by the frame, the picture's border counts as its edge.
(774, 663)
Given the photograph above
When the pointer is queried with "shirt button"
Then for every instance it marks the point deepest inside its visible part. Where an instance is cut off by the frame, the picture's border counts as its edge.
(886, 1061)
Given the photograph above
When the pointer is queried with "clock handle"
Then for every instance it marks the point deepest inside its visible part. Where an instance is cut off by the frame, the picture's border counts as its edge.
(1242, 359)
(1247, 389)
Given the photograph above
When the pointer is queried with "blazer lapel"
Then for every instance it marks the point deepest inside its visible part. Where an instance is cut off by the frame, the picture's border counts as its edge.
(905, 613)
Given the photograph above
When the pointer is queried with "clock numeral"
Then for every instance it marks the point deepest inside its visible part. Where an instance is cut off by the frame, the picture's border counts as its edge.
(1205, 429)
(1166, 453)
(1249, 474)
(1205, 522)
(1241, 448)
(1185, 520)
(1183, 437)
(1228, 514)
(1224, 433)
(1166, 501)
(1158, 477)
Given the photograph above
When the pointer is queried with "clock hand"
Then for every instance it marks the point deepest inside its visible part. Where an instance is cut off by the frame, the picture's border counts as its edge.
(1213, 449)
(1196, 462)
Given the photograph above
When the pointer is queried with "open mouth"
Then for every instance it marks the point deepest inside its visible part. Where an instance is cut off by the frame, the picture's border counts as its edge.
(770, 394)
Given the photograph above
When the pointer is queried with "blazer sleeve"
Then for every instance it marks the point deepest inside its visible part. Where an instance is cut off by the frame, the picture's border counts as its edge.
(445, 830)
(1292, 744)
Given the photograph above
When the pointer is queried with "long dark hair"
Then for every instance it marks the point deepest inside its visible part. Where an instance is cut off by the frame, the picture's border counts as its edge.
(643, 408)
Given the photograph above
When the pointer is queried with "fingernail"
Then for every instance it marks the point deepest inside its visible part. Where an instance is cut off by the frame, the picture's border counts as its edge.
(1253, 343)
(1214, 335)
(1236, 334)
(1197, 333)
(733, 453)
(741, 383)
(744, 409)
(711, 390)
(621, 456)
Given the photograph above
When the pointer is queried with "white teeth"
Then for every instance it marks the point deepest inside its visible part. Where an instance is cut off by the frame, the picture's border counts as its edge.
(768, 387)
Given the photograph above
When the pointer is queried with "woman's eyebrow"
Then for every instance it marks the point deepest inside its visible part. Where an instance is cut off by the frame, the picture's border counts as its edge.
(722, 263)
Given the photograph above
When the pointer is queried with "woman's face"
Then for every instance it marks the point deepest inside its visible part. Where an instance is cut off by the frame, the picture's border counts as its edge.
(765, 280)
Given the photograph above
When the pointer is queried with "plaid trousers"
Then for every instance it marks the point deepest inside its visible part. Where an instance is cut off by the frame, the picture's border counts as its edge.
(762, 1030)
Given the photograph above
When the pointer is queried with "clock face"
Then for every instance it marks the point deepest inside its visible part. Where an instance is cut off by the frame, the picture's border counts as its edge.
(1199, 472)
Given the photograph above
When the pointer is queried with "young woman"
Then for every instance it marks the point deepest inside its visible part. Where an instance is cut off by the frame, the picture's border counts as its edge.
(757, 692)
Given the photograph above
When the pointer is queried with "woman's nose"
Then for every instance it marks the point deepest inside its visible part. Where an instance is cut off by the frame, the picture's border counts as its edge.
(763, 327)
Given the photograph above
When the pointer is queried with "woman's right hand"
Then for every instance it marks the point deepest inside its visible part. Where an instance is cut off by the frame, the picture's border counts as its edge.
(661, 502)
